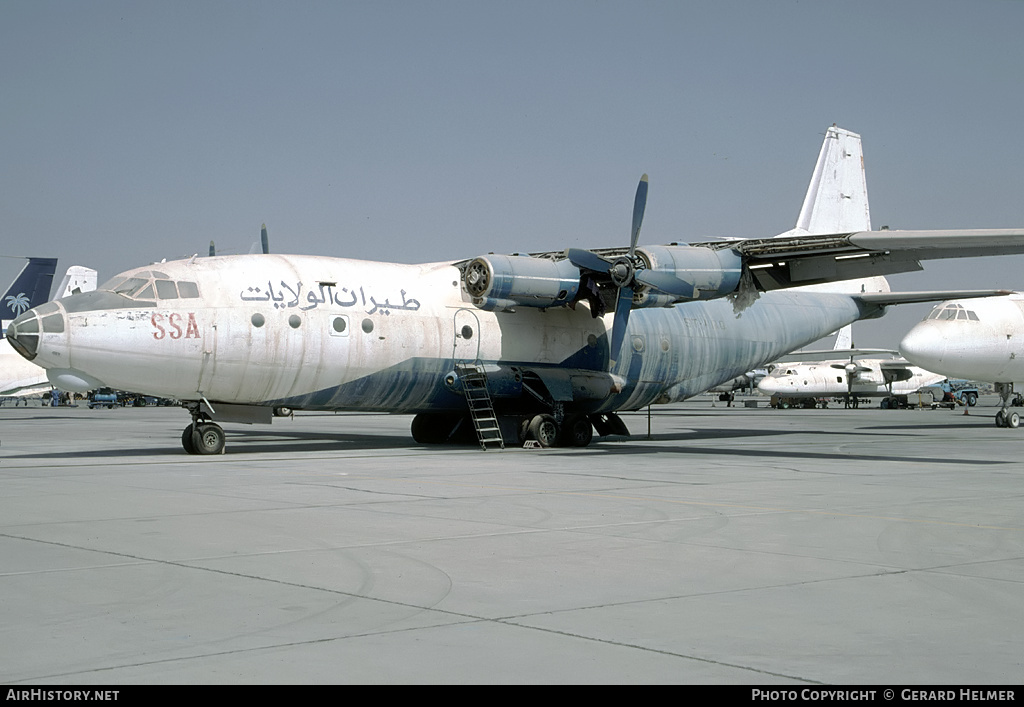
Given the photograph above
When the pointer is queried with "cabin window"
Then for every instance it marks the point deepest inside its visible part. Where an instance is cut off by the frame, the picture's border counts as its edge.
(339, 326)
(258, 320)
(188, 290)
(467, 332)
(367, 325)
(295, 321)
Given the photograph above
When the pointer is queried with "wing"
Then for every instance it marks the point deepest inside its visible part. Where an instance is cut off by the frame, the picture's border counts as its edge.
(790, 261)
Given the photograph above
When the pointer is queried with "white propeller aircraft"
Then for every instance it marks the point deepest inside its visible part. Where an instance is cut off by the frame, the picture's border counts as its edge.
(851, 378)
(980, 339)
(546, 347)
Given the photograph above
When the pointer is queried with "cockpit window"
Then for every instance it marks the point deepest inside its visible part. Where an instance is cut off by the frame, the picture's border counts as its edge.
(143, 286)
(950, 312)
(165, 289)
(130, 286)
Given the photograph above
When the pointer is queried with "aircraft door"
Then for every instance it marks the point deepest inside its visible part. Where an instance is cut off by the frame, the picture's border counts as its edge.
(209, 362)
(466, 342)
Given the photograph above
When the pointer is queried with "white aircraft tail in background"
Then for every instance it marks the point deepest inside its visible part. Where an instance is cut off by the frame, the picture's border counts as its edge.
(837, 198)
(77, 279)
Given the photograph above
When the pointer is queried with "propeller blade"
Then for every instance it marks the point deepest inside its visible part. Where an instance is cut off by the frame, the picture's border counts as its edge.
(666, 282)
(588, 261)
(639, 204)
(622, 307)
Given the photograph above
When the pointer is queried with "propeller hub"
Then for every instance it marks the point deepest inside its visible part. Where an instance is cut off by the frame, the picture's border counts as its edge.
(621, 272)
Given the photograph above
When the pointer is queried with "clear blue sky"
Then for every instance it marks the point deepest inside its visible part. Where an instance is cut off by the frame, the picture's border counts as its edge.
(419, 131)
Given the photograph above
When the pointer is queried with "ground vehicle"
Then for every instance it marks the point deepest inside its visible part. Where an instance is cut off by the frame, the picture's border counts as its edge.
(950, 393)
(103, 397)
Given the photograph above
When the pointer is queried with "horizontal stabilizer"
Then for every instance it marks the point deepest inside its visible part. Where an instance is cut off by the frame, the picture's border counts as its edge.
(835, 354)
(890, 298)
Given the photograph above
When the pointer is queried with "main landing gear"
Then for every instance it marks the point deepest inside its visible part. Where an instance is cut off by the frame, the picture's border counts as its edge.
(575, 431)
(1005, 418)
(544, 430)
(203, 436)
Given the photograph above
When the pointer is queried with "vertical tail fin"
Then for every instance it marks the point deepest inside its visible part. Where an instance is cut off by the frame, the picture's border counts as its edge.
(30, 289)
(77, 279)
(844, 338)
(837, 197)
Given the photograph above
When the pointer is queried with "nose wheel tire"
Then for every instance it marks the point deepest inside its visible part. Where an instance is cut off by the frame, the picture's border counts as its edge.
(1007, 419)
(203, 438)
(186, 440)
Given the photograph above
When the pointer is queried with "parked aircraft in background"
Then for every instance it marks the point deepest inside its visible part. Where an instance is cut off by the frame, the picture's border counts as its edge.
(30, 288)
(751, 379)
(19, 377)
(547, 346)
(851, 378)
(979, 339)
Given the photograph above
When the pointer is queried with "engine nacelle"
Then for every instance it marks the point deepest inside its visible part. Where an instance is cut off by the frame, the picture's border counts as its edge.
(713, 273)
(506, 281)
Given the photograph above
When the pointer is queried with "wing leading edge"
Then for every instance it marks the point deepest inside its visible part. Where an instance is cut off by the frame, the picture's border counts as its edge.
(776, 263)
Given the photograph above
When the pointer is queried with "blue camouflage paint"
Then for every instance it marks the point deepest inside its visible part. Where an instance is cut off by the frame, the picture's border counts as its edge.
(673, 353)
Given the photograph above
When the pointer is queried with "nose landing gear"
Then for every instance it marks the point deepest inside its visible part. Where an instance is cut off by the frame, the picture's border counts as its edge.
(202, 436)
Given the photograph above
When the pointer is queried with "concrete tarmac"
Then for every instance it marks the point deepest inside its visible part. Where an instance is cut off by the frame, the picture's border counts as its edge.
(734, 546)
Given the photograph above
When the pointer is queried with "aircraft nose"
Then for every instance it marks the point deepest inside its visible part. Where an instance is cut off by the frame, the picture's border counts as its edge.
(768, 385)
(23, 333)
(924, 346)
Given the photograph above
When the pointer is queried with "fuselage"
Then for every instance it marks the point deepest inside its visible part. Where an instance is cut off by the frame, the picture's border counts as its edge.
(330, 333)
(829, 379)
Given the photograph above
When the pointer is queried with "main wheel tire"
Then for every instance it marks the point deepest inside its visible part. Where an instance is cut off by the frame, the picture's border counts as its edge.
(1013, 420)
(544, 429)
(577, 431)
(1000, 419)
(208, 438)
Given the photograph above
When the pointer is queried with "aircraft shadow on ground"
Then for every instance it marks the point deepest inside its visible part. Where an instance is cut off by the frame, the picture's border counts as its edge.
(241, 442)
(636, 445)
(265, 441)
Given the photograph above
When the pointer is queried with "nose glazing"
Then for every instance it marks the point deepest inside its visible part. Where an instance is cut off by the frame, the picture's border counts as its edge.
(25, 331)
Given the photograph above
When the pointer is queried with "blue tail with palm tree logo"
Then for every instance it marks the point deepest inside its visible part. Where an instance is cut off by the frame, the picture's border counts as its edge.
(30, 289)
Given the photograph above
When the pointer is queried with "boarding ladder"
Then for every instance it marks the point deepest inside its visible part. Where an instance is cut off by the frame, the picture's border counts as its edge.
(481, 409)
